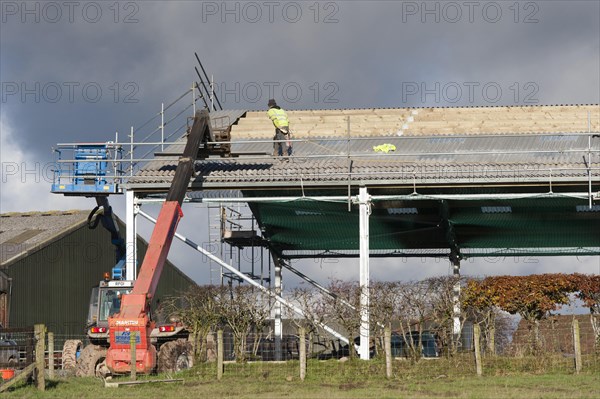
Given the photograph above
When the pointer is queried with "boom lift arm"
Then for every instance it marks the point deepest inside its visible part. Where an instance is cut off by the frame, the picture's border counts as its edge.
(103, 213)
(134, 311)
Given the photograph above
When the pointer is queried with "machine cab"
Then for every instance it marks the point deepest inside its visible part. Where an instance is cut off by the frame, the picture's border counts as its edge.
(105, 301)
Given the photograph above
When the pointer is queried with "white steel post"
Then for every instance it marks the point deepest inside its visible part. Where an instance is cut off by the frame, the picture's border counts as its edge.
(364, 212)
(131, 210)
(277, 308)
(456, 297)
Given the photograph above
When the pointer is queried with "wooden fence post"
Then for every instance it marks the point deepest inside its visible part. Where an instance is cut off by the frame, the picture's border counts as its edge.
(133, 355)
(577, 345)
(51, 355)
(40, 361)
(219, 355)
(387, 345)
(492, 340)
(477, 345)
(302, 354)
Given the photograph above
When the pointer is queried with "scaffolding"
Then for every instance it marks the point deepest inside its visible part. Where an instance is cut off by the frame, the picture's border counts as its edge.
(234, 235)
(237, 251)
(546, 158)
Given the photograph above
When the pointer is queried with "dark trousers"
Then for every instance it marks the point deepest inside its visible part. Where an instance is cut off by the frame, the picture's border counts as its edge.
(281, 135)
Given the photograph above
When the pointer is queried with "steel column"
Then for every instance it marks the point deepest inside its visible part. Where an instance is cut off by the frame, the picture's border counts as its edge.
(456, 296)
(277, 310)
(131, 210)
(364, 212)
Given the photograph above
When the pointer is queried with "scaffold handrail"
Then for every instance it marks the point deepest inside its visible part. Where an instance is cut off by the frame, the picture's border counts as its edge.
(463, 162)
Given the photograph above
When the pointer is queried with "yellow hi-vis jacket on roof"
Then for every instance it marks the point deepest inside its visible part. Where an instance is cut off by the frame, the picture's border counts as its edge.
(279, 117)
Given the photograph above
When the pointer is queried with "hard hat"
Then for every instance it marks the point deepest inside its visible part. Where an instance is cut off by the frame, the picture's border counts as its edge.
(272, 103)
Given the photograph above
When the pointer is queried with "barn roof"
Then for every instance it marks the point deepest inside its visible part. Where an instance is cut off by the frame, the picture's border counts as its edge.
(478, 181)
(22, 234)
(446, 145)
(25, 233)
(377, 122)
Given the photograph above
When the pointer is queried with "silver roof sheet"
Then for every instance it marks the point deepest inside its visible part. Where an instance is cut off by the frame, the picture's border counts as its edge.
(457, 159)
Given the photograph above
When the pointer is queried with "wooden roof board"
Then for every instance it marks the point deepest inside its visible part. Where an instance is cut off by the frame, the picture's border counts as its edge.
(426, 121)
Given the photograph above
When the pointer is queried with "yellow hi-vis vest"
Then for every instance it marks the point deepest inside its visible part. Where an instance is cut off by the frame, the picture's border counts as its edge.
(279, 117)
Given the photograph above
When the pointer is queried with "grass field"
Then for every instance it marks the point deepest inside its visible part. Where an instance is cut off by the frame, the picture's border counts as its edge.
(353, 379)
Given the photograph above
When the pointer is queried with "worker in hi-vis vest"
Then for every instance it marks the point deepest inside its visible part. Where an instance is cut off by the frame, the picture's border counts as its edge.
(282, 128)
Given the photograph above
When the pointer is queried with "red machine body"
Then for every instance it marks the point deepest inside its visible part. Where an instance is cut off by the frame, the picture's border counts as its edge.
(135, 306)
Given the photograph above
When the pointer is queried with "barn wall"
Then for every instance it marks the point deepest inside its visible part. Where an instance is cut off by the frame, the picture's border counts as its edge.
(53, 285)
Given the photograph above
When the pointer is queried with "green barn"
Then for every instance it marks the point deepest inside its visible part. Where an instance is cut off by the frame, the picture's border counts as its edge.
(49, 262)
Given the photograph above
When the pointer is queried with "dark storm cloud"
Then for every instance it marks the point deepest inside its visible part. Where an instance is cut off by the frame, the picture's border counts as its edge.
(84, 77)
(340, 54)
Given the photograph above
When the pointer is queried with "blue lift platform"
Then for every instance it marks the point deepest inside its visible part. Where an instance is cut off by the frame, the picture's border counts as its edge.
(93, 170)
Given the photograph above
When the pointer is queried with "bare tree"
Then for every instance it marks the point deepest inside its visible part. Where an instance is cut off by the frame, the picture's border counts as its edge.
(260, 311)
(337, 309)
(413, 312)
(197, 309)
(384, 304)
(242, 309)
(442, 299)
(313, 306)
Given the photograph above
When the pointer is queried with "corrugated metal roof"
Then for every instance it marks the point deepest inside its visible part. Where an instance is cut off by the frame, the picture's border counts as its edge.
(441, 159)
(17, 240)
(49, 226)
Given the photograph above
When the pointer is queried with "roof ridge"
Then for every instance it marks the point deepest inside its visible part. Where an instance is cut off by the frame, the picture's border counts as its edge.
(44, 213)
(441, 107)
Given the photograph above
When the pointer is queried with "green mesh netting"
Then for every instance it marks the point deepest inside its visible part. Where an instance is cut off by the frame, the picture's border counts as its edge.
(542, 226)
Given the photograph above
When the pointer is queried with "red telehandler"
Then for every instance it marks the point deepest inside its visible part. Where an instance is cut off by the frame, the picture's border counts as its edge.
(134, 314)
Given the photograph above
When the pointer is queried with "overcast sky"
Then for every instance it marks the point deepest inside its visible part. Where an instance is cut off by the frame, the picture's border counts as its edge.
(80, 71)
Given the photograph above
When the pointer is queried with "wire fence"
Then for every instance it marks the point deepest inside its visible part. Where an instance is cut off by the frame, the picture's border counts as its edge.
(554, 347)
(18, 347)
(562, 349)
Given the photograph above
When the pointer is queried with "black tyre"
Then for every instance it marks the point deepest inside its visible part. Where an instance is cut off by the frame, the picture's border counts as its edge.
(91, 362)
(175, 356)
(13, 363)
(69, 353)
